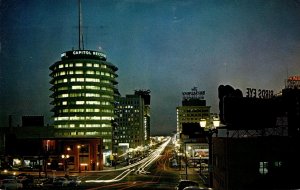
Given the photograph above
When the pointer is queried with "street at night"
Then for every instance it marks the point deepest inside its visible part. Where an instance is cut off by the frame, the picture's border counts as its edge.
(152, 172)
(150, 94)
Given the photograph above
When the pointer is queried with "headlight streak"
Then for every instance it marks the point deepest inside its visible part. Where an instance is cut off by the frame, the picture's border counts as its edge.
(155, 156)
(141, 169)
(116, 179)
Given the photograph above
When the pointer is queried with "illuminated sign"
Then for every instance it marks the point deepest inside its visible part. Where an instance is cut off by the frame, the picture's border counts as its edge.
(259, 93)
(194, 94)
(294, 78)
(84, 54)
(293, 82)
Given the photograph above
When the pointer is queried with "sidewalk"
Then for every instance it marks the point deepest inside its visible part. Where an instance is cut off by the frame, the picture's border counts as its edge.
(190, 174)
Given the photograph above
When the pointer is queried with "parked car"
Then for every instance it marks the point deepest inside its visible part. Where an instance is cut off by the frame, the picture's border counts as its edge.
(11, 184)
(186, 183)
(26, 168)
(26, 179)
(196, 188)
(61, 181)
(74, 181)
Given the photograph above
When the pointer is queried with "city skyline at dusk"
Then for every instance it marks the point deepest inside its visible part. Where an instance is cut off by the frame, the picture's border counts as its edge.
(166, 46)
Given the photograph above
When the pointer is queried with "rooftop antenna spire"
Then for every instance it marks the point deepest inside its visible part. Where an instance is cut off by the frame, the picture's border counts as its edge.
(80, 38)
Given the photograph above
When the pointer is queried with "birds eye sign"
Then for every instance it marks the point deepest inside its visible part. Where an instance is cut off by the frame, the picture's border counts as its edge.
(259, 93)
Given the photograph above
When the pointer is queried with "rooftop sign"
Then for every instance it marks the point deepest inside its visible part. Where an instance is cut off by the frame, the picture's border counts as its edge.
(259, 93)
(194, 94)
(83, 54)
(293, 82)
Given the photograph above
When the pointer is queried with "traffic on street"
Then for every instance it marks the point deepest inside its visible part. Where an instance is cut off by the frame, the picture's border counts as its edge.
(154, 171)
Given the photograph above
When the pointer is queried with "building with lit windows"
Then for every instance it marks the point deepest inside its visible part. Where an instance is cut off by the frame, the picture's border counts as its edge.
(192, 110)
(133, 120)
(84, 90)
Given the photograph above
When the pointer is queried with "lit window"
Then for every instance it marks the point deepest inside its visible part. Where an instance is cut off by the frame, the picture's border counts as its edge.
(90, 72)
(89, 65)
(278, 164)
(93, 87)
(78, 72)
(77, 110)
(263, 168)
(61, 66)
(92, 95)
(65, 110)
(79, 102)
(77, 87)
(61, 118)
(80, 79)
(64, 103)
(93, 102)
(63, 88)
(106, 118)
(92, 80)
(78, 64)
(96, 65)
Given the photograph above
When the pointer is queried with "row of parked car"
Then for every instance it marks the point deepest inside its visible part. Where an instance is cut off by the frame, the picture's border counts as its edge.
(26, 181)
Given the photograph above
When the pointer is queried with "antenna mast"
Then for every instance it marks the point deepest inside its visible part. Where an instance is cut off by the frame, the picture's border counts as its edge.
(80, 39)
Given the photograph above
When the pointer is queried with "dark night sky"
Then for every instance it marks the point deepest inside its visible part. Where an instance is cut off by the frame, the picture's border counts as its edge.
(167, 46)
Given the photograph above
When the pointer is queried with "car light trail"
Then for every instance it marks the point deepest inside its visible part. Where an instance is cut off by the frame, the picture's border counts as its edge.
(144, 163)
(116, 179)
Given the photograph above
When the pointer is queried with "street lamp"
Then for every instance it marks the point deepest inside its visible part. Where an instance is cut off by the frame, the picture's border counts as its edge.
(200, 171)
(211, 129)
(115, 159)
(65, 158)
(79, 167)
(203, 123)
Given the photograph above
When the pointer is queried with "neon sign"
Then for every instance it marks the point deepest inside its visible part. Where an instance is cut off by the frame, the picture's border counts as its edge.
(293, 82)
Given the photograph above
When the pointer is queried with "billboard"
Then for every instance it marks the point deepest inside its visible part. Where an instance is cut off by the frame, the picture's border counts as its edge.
(249, 113)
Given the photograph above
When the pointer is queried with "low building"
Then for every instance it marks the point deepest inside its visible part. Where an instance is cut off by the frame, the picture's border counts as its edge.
(261, 162)
(48, 153)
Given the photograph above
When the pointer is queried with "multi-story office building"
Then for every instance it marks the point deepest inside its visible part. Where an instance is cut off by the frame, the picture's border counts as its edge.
(133, 120)
(192, 110)
(84, 90)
